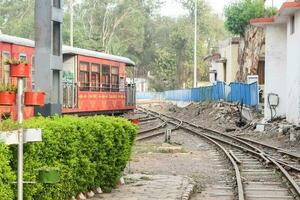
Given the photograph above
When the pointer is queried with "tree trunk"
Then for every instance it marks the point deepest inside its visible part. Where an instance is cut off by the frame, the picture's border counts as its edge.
(249, 52)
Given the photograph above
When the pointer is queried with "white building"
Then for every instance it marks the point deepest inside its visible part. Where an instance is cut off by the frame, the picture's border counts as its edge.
(224, 64)
(282, 71)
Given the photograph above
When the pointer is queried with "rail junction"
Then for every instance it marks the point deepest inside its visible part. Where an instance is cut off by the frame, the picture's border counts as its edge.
(254, 170)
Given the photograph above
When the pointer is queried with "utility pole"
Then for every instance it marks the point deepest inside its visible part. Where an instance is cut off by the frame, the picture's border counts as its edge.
(195, 46)
(71, 23)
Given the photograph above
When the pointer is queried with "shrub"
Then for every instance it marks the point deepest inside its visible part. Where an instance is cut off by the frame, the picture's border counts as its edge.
(90, 152)
(6, 174)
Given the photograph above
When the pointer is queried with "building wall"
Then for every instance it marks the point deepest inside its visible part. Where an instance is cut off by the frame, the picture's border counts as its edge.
(293, 70)
(275, 69)
(229, 51)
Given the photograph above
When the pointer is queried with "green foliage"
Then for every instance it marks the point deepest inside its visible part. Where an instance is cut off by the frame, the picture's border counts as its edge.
(269, 12)
(8, 88)
(88, 151)
(15, 62)
(6, 174)
(165, 69)
(239, 14)
(131, 28)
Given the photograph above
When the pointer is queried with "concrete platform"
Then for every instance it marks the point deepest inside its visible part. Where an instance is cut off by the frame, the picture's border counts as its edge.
(148, 187)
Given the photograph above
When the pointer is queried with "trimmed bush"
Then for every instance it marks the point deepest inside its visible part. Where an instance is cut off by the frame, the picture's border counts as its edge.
(6, 174)
(89, 151)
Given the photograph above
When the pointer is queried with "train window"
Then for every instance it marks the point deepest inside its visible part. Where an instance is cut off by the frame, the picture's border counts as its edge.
(115, 79)
(84, 76)
(105, 78)
(95, 77)
(32, 72)
(5, 56)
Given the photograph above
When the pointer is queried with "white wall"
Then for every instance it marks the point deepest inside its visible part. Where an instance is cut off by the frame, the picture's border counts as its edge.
(229, 51)
(275, 69)
(293, 71)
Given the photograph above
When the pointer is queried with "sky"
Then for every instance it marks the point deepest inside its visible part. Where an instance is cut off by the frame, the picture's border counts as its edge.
(173, 9)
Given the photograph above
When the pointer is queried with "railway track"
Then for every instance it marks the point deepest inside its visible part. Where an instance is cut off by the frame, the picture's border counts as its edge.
(261, 171)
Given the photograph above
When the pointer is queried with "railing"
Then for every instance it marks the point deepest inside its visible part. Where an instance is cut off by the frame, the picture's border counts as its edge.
(70, 95)
(130, 95)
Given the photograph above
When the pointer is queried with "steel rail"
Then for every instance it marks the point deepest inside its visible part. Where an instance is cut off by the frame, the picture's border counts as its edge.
(147, 119)
(279, 150)
(239, 183)
(165, 122)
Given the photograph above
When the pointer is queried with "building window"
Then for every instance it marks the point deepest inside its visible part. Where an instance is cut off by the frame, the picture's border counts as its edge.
(95, 77)
(5, 73)
(115, 79)
(292, 24)
(56, 39)
(105, 78)
(84, 76)
(33, 72)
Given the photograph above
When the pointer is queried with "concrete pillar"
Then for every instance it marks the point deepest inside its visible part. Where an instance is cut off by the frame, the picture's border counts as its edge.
(48, 56)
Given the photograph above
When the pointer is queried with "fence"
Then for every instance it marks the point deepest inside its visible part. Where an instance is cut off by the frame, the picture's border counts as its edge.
(234, 92)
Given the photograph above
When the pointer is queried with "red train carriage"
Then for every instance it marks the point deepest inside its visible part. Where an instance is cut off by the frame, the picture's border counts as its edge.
(96, 82)
(93, 82)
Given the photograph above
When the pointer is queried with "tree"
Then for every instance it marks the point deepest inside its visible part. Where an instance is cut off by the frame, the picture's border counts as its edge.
(239, 14)
(165, 71)
(17, 18)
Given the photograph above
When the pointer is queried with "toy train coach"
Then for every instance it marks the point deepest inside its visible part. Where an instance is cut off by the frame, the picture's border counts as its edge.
(92, 82)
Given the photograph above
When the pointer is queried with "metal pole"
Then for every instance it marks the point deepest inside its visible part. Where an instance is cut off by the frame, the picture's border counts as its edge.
(71, 23)
(195, 46)
(20, 146)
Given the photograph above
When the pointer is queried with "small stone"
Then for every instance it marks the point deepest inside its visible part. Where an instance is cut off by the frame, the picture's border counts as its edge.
(99, 190)
(122, 181)
(91, 194)
(81, 197)
(260, 127)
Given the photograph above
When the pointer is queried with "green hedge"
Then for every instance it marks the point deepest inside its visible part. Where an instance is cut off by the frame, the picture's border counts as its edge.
(6, 174)
(90, 152)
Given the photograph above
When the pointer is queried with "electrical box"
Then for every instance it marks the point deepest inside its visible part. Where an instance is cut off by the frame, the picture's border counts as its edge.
(273, 99)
